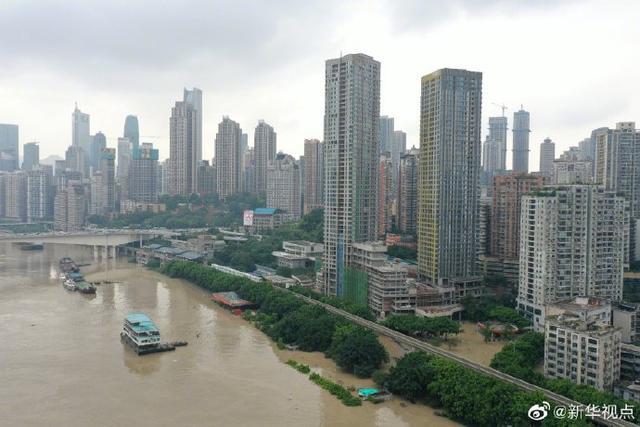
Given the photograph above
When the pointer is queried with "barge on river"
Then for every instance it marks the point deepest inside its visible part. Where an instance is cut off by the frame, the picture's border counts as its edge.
(142, 335)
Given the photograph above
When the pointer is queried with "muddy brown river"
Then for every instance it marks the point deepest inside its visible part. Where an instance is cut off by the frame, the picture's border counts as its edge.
(62, 362)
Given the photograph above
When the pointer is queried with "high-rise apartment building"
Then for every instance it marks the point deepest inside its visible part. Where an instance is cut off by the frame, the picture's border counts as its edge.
(283, 185)
(400, 139)
(131, 131)
(387, 140)
(31, 156)
(183, 148)
(107, 167)
(573, 242)
(385, 193)
(490, 156)
(206, 178)
(521, 131)
(508, 190)
(142, 174)
(498, 134)
(9, 148)
(39, 198)
(15, 195)
(313, 175)
(81, 137)
(194, 97)
(351, 154)
(75, 159)
(123, 167)
(249, 164)
(547, 156)
(618, 168)
(408, 193)
(450, 119)
(98, 143)
(264, 148)
(228, 158)
(70, 207)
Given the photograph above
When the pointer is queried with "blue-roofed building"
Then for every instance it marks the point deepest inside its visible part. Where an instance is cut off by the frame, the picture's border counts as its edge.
(140, 332)
(261, 219)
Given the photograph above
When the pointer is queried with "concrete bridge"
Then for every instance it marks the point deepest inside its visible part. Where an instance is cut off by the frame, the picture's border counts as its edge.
(105, 243)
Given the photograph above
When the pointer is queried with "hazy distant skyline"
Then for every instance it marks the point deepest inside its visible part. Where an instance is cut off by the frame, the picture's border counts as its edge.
(571, 64)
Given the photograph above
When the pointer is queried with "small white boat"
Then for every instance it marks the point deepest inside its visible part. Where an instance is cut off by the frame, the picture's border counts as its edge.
(69, 285)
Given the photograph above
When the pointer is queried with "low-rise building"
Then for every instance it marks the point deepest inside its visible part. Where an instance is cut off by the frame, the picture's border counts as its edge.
(582, 352)
(373, 279)
(261, 219)
(626, 316)
(130, 206)
(299, 254)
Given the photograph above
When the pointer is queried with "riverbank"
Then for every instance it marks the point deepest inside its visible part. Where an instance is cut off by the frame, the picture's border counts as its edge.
(394, 413)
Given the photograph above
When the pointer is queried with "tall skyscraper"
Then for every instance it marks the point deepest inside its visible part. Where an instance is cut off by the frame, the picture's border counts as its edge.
(498, 133)
(249, 165)
(124, 165)
(385, 193)
(264, 147)
(283, 185)
(98, 143)
(228, 161)
(547, 156)
(573, 243)
(313, 175)
(490, 156)
(206, 178)
(521, 130)
(386, 134)
(142, 174)
(351, 153)
(618, 169)
(31, 156)
(400, 139)
(103, 184)
(75, 159)
(80, 135)
(450, 119)
(131, 131)
(408, 193)
(9, 148)
(194, 97)
(183, 147)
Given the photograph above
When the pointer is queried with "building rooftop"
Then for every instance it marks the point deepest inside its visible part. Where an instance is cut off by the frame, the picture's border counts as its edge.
(264, 211)
(140, 322)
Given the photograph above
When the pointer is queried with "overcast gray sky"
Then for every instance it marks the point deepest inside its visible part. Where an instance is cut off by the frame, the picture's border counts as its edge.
(573, 64)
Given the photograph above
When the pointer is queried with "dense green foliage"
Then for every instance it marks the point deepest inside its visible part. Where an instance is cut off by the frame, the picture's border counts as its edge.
(290, 320)
(357, 350)
(402, 252)
(521, 357)
(466, 396)
(337, 390)
(423, 326)
(304, 369)
(245, 255)
(479, 309)
(186, 212)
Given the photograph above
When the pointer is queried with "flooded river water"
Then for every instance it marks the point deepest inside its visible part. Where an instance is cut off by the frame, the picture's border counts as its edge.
(62, 362)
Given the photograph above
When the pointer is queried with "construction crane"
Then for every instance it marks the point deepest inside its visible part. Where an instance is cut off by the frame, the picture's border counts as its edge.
(502, 106)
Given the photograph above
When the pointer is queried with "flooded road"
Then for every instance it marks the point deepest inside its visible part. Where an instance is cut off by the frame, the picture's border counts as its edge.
(62, 362)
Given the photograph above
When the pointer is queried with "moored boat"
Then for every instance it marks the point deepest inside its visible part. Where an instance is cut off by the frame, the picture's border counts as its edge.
(67, 265)
(85, 287)
(140, 333)
(69, 285)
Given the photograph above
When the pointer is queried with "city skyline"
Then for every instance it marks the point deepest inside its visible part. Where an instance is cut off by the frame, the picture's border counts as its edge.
(556, 96)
